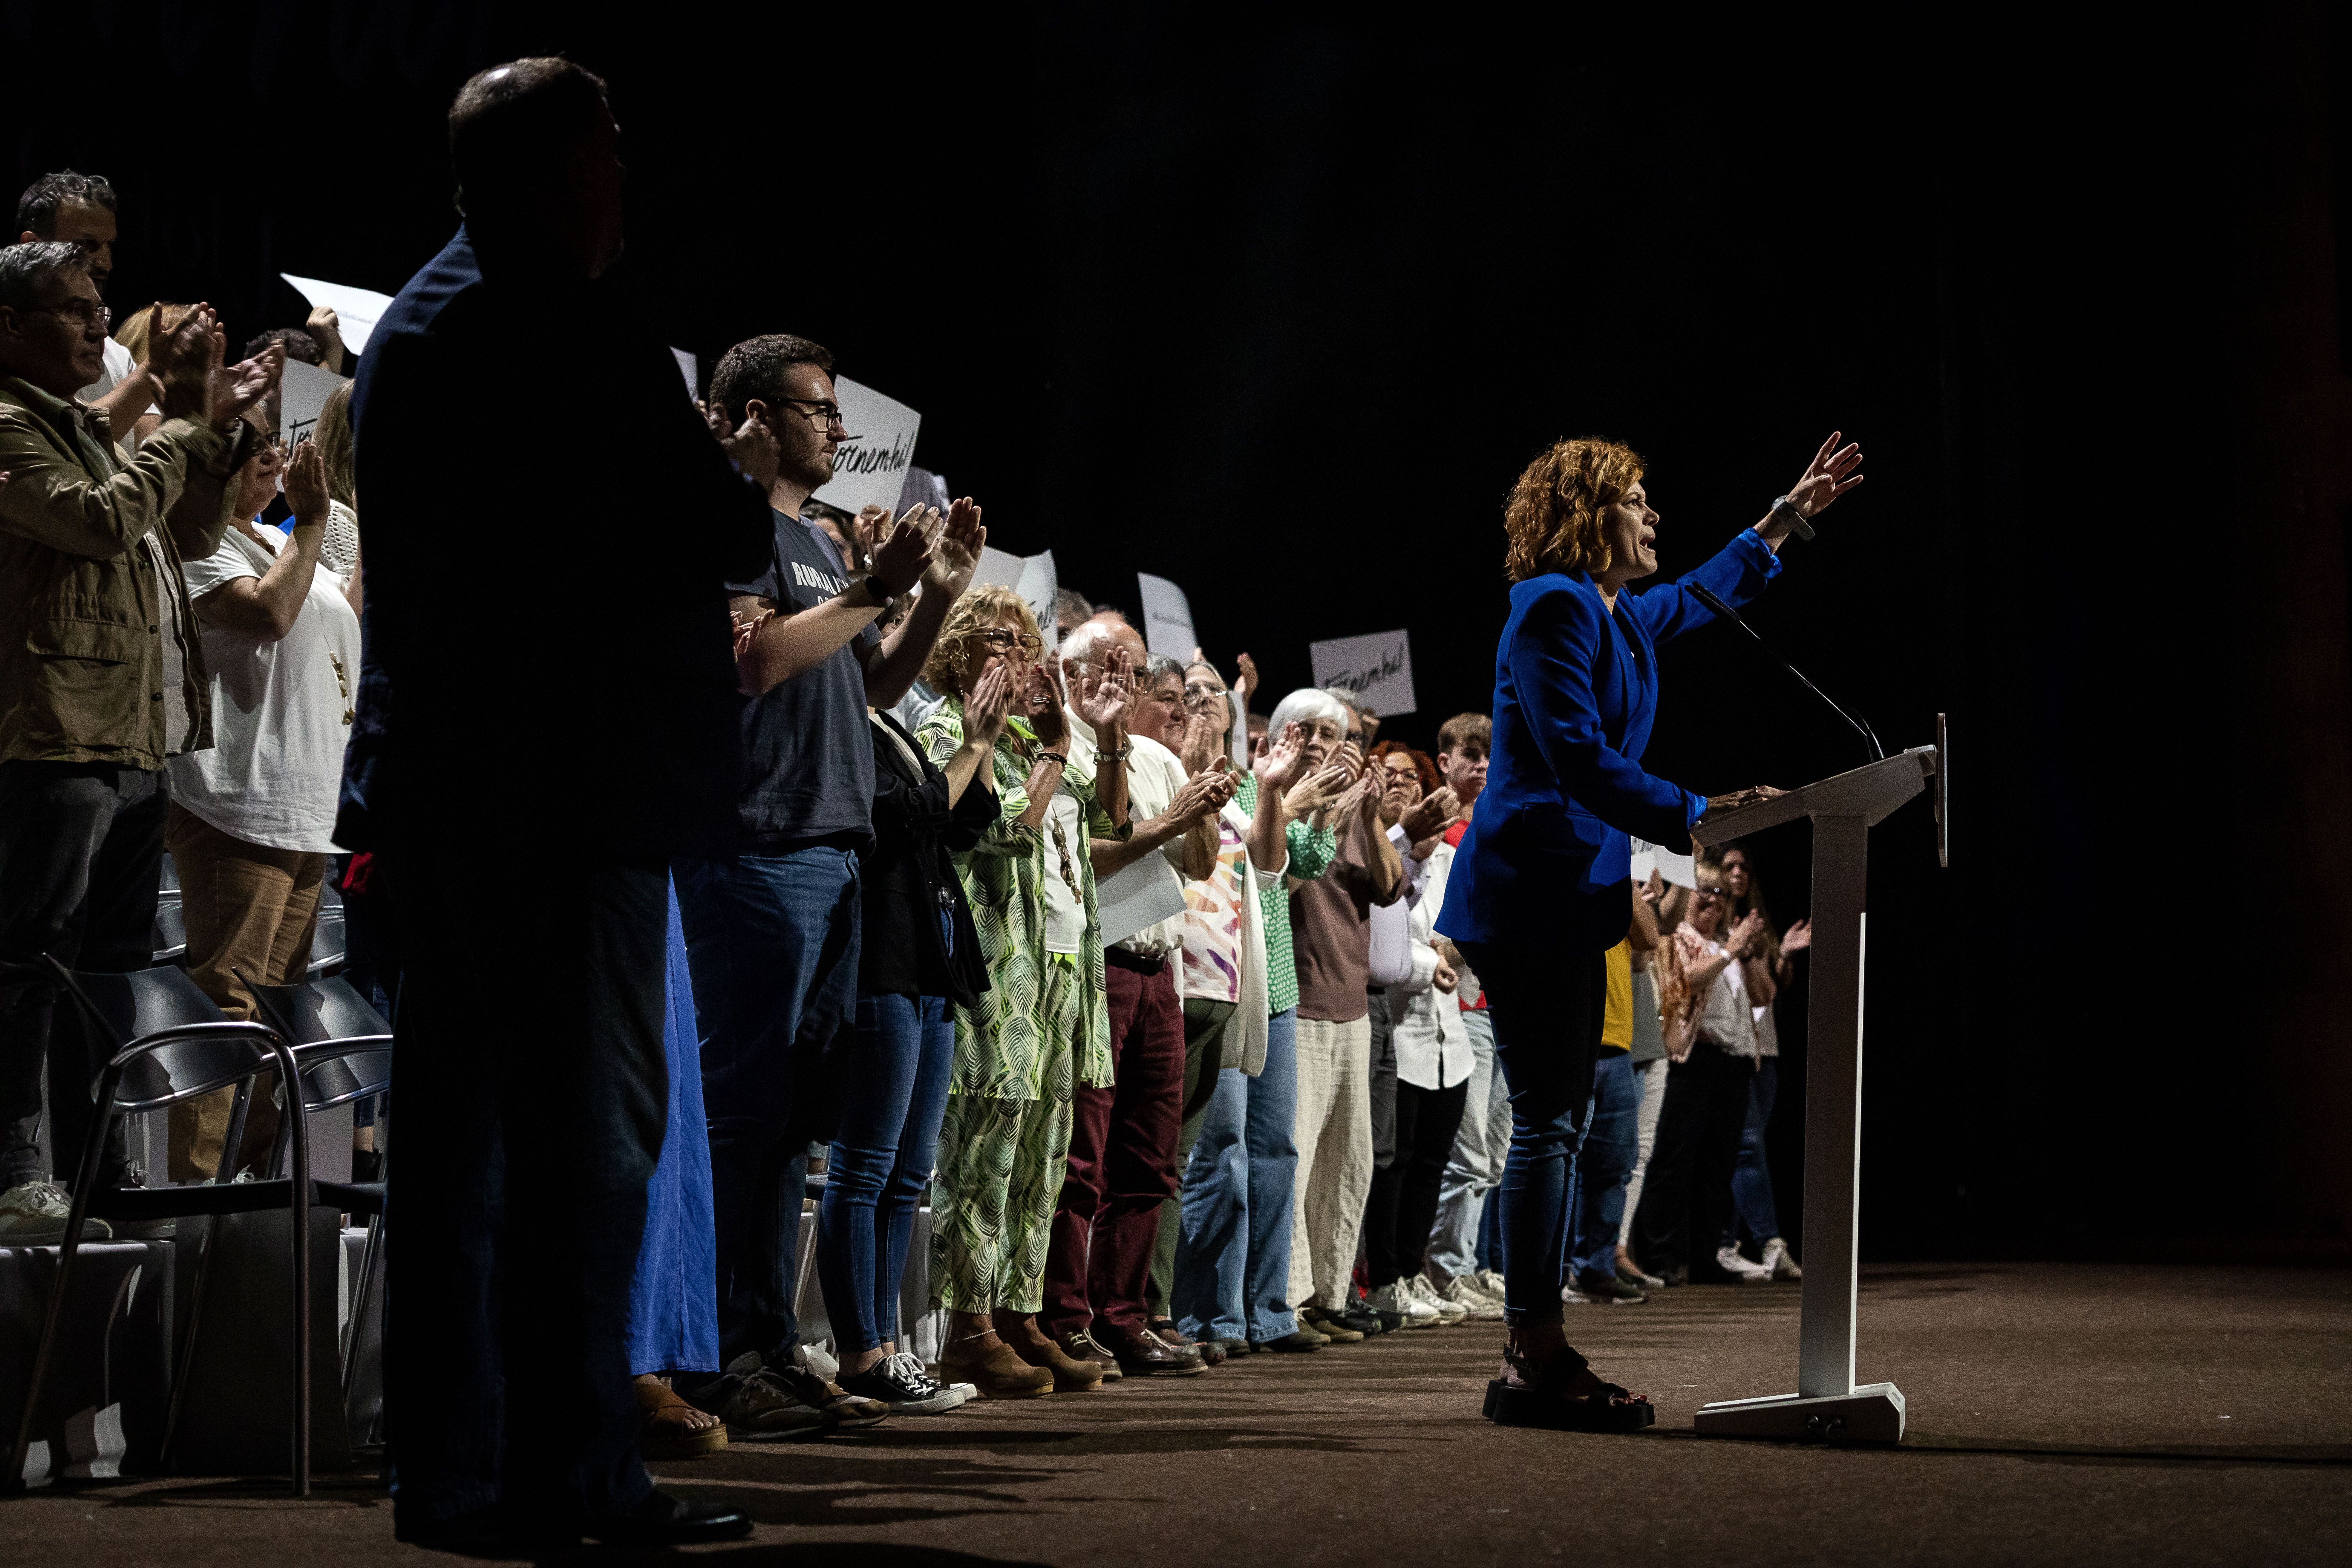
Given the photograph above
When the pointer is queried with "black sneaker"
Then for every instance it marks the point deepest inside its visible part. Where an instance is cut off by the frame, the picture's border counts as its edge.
(1363, 1319)
(900, 1382)
(1595, 1285)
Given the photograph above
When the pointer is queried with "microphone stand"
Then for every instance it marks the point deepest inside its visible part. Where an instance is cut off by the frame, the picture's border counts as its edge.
(1707, 597)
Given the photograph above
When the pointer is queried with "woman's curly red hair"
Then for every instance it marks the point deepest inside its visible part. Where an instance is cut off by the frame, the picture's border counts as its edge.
(1552, 519)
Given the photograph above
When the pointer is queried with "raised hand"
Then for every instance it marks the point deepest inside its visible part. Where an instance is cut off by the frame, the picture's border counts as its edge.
(1315, 791)
(955, 552)
(1432, 814)
(1041, 704)
(984, 710)
(306, 485)
(752, 449)
(1105, 693)
(1743, 935)
(1279, 766)
(323, 324)
(182, 360)
(1203, 742)
(1351, 757)
(1247, 682)
(1797, 938)
(1829, 475)
(233, 389)
(900, 561)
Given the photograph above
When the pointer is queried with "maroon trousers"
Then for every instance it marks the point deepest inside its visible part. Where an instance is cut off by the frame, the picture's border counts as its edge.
(1122, 1160)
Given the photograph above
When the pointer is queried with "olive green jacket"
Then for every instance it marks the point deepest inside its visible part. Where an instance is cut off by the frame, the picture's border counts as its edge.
(81, 649)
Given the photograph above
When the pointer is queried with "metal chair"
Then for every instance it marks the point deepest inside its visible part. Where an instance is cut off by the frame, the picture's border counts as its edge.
(344, 1048)
(168, 942)
(154, 1066)
(330, 941)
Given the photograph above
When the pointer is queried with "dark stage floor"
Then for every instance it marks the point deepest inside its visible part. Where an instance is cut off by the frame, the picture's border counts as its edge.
(2070, 1413)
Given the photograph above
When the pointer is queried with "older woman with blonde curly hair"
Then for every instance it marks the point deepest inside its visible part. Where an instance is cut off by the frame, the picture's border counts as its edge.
(1041, 1027)
(1539, 887)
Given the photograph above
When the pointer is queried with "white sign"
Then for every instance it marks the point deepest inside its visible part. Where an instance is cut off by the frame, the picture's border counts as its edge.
(1139, 894)
(1377, 668)
(870, 469)
(357, 310)
(301, 394)
(1677, 869)
(1033, 578)
(1167, 617)
(688, 368)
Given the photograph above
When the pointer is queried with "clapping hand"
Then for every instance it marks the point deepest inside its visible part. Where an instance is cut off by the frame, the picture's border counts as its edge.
(752, 449)
(955, 550)
(1317, 790)
(1432, 814)
(1797, 938)
(1204, 742)
(306, 485)
(1203, 795)
(1105, 691)
(984, 710)
(1744, 935)
(1041, 701)
(900, 561)
(1831, 474)
(1279, 766)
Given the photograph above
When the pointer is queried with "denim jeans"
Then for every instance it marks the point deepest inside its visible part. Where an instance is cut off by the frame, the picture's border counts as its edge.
(1547, 1011)
(1603, 1164)
(1751, 1178)
(1458, 1242)
(81, 854)
(533, 1101)
(881, 1162)
(1232, 1259)
(771, 941)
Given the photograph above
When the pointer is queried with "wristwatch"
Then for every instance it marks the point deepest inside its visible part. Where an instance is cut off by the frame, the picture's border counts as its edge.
(876, 596)
(1803, 529)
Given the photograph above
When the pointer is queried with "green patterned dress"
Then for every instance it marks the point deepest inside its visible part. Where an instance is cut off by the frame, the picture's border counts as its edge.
(1039, 1030)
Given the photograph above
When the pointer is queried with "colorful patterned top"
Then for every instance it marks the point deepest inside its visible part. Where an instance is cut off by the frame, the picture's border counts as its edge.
(1001, 1044)
(1213, 921)
(1312, 850)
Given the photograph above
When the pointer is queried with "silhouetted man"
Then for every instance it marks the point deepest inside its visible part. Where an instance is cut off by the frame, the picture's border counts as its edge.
(559, 684)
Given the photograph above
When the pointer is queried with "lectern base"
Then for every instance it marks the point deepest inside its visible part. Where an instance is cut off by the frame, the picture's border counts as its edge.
(1873, 1413)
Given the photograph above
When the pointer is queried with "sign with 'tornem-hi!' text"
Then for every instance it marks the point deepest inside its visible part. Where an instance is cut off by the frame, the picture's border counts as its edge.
(1378, 668)
(870, 467)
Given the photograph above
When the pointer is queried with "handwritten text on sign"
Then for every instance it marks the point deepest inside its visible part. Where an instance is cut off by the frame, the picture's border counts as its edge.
(870, 467)
(1378, 668)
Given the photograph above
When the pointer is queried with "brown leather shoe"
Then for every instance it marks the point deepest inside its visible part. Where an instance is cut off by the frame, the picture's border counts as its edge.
(1030, 1343)
(1142, 1353)
(1079, 1344)
(996, 1371)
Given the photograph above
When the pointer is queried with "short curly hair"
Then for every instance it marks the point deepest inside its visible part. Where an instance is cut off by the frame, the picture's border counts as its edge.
(957, 654)
(1552, 519)
(1423, 769)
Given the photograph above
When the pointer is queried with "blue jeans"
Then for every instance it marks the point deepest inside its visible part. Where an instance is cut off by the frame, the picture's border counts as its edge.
(1603, 1164)
(771, 941)
(1546, 1009)
(1751, 1178)
(1232, 1257)
(881, 1160)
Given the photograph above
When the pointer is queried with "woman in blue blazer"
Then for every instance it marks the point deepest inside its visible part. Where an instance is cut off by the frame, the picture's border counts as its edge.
(1540, 887)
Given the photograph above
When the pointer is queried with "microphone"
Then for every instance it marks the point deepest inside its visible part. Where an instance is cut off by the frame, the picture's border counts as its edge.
(1707, 597)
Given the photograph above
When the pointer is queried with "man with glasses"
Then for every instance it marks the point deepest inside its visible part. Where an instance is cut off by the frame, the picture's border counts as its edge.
(79, 209)
(772, 930)
(101, 675)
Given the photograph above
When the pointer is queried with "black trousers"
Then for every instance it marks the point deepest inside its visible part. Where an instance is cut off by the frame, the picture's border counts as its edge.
(532, 1101)
(1402, 1207)
(1688, 1187)
(81, 854)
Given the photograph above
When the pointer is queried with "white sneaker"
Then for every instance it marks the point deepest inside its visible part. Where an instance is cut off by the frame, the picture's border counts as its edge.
(34, 1213)
(1489, 1281)
(1476, 1304)
(1448, 1312)
(1779, 1262)
(1729, 1261)
(1396, 1300)
(819, 1362)
(1573, 1297)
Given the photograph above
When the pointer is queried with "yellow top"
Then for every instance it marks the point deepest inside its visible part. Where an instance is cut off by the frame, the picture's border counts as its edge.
(1617, 1019)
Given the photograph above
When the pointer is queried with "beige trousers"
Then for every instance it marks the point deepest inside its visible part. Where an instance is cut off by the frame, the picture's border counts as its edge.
(250, 912)
(1334, 1132)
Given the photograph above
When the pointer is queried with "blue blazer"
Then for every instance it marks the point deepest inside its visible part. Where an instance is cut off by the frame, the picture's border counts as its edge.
(1545, 862)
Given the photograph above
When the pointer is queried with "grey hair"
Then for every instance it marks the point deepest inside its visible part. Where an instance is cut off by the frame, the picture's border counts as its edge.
(1303, 706)
(1078, 647)
(1158, 666)
(24, 268)
(1353, 703)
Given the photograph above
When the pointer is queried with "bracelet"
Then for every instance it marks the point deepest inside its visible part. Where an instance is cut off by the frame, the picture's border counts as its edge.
(1057, 758)
(1803, 529)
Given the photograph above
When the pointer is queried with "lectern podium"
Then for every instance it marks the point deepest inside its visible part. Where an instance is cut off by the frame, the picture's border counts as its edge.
(1844, 809)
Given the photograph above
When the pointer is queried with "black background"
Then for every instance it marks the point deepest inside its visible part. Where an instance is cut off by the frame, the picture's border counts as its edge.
(1277, 302)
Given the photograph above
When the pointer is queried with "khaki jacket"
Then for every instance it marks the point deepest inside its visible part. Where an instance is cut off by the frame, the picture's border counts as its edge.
(81, 653)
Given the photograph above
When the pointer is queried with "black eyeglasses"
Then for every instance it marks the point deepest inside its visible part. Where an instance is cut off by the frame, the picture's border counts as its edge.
(1006, 642)
(823, 415)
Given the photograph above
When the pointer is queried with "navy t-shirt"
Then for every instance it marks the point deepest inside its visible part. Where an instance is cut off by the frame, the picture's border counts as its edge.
(808, 760)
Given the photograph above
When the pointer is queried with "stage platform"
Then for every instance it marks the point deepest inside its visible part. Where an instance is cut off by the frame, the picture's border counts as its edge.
(2070, 1413)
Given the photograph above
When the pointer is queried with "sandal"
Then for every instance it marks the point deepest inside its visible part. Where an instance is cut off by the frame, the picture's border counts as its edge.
(668, 1432)
(1526, 1397)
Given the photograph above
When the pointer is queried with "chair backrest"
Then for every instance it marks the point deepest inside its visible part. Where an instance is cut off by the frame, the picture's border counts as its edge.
(150, 1001)
(169, 935)
(337, 1072)
(167, 885)
(324, 1011)
(144, 1002)
(329, 941)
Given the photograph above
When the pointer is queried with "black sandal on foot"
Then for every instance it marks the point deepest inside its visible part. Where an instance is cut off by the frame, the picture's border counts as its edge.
(1531, 1398)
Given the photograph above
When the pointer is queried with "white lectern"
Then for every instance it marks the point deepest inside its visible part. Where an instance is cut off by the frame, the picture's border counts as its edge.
(1844, 809)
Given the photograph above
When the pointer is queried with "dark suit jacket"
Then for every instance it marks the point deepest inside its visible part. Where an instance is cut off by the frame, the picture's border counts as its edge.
(1546, 862)
(546, 525)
